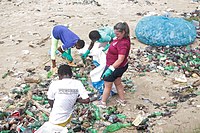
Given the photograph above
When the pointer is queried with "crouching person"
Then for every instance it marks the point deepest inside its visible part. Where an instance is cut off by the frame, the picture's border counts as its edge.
(62, 96)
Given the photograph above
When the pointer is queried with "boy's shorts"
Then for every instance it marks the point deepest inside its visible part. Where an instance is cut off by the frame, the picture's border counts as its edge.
(118, 72)
(64, 124)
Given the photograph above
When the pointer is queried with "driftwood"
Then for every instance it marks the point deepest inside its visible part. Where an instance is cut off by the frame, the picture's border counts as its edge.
(43, 40)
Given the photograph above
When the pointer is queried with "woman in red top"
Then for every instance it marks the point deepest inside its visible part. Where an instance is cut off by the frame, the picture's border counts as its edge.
(116, 63)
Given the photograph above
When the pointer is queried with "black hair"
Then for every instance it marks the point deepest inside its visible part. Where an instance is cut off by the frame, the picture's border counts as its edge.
(65, 70)
(123, 26)
(94, 35)
(80, 44)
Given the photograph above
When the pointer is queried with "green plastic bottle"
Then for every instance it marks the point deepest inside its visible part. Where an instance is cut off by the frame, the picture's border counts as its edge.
(116, 126)
(3, 114)
(35, 125)
(78, 75)
(121, 116)
(155, 114)
(45, 117)
(5, 131)
(111, 110)
(97, 112)
(26, 89)
(171, 104)
(92, 130)
(37, 98)
(169, 68)
(49, 74)
(44, 102)
(83, 79)
(29, 113)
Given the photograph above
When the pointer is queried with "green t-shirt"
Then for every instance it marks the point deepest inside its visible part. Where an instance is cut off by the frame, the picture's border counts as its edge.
(107, 34)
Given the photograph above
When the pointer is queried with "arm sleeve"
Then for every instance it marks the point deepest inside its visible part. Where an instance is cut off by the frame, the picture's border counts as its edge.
(104, 37)
(51, 93)
(82, 91)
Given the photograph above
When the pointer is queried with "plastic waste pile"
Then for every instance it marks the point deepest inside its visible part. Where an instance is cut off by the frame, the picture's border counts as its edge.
(167, 59)
(27, 107)
(146, 120)
(92, 119)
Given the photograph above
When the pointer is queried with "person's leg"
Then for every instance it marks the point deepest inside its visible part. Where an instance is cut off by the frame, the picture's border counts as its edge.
(54, 46)
(120, 88)
(108, 82)
(106, 92)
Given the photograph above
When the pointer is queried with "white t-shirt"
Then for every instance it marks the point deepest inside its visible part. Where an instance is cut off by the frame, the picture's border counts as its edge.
(64, 93)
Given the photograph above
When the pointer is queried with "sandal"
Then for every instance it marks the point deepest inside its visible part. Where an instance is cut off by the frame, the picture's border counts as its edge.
(121, 102)
(102, 104)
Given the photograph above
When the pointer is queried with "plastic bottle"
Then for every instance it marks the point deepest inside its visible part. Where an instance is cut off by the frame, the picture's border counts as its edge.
(44, 102)
(155, 114)
(171, 104)
(29, 113)
(45, 117)
(3, 114)
(116, 126)
(169, 68)
(6, 74)
(37, 98)
(121, 116)
(26, 89)
(83, 79)
(111, 110)
(91, 130)
(78, 75)
(144, 121)
(36, 124)
(5, 131)
(49, 74)
(77, 128)
(96, 113)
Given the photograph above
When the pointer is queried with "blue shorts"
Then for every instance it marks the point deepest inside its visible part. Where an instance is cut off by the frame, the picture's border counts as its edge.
(117, 73)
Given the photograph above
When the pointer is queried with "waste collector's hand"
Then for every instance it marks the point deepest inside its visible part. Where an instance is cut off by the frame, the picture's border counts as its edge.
(108, 72)
(106, 47)
(67, 56)
(84, 56)
(54, 70)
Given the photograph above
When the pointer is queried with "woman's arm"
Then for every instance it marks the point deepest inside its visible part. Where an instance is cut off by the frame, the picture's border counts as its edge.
(118, 61)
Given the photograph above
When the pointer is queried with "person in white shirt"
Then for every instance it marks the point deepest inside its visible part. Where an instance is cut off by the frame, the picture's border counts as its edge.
(63, 94)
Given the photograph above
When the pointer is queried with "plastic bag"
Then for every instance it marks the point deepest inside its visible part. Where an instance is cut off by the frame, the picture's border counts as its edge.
(164, 31)
(100, 57)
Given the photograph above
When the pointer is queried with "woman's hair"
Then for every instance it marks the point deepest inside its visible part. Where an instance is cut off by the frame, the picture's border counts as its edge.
(123, 26)
(65, 70)
(94, 35)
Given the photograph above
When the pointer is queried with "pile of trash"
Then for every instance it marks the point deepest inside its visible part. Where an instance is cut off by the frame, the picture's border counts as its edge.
(27, 108)
(91, 119)
(194, 17)
(167, 59)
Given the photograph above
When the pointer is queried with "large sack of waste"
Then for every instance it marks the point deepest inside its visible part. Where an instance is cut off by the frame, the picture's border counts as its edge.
(164, 31)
